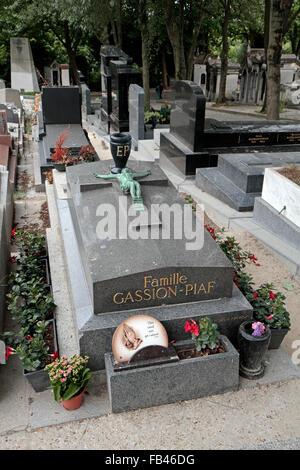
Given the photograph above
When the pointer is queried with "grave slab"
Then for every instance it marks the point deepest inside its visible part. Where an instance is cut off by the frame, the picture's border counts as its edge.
(238, 179)
(148, 272)
(95, 331)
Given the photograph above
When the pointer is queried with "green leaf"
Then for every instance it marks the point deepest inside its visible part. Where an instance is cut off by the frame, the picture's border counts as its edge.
(72, 391)
(56, 392)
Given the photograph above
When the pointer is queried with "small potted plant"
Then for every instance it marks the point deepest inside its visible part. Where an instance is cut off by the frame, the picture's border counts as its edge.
(62, 155)
(269, 308)
(87, 153)
(205, 339)
(69, 379)
(253, 342)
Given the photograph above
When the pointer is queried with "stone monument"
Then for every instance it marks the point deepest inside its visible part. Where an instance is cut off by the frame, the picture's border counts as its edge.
(136, 114)
(117, 74)
(121, 260)
(23, 74)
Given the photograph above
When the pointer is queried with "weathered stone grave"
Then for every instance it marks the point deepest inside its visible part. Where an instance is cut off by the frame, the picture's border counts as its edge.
(111, 277)
(194, 142)
(23, 74)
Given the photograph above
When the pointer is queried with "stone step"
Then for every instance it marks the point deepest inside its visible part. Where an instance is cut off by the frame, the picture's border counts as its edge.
(240, 170)
(212, 181)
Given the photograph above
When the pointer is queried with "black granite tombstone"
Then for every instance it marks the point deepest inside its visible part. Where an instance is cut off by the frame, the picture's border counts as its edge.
(191, 144)
(117, 74)
(188, 115)
(61, 105)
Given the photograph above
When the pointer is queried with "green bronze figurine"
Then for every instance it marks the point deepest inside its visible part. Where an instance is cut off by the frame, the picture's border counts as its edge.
(128, 184)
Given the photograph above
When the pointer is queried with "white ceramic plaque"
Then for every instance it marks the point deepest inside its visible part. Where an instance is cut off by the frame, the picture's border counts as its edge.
(136, 333)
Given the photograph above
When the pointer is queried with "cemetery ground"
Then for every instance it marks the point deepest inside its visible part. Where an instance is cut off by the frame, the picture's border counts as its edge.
(261, 414)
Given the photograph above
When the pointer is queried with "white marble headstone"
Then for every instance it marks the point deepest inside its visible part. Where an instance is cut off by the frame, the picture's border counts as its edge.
(2, 352)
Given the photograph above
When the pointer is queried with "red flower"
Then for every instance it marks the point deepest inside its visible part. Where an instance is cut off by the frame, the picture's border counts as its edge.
(269, 317)
(195, 329)
(253, 258)
(13, 233)
(29, 338)
(55, 355)
(9, 352)
(255, 295)
(187, 327)
(12, 259)
(271, 295)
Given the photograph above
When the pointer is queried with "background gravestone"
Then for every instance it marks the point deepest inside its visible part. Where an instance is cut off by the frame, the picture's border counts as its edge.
(117, 74)
(2, 352)
(61, 105)
(136, 114)
(23, 74)
(188, 114)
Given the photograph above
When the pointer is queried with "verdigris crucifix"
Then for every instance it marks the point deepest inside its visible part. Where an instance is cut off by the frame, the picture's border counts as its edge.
(128, 184)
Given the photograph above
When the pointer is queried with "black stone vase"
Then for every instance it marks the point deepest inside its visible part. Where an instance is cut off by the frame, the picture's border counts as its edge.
(252, 350)
(120, 147)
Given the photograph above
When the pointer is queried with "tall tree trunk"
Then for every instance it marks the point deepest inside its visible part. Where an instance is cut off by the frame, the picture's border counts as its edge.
(71, 53)
(145, 59)
(164, 69)
(273, 60)
(191, 51)
(119, 23)
(266, 43)
(224, 53)
(141, 6)
(175, 24)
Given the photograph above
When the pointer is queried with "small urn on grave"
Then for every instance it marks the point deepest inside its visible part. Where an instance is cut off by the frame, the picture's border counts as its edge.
(120, 147)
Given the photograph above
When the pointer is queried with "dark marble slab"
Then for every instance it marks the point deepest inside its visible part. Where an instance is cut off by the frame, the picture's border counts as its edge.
(188, 115)
(123, 273)
(182, 157)
(61, 105)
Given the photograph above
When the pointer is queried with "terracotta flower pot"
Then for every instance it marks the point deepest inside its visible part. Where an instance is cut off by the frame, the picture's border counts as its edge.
(74, 402)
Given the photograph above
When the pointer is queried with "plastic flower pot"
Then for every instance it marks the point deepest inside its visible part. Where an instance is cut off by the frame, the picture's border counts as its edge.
(62, 166)
(252, 350)
(277, 335)
(120, 147)
(39, 379)
(74, 403)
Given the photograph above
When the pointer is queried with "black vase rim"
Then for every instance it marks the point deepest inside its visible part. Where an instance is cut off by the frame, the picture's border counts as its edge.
(248, 336)
(120, 137)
